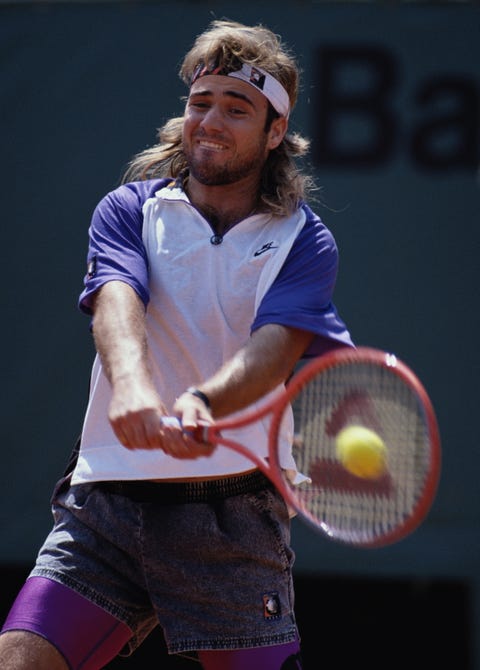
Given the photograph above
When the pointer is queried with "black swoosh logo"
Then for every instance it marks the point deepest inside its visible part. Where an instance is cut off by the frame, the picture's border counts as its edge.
(266, 247)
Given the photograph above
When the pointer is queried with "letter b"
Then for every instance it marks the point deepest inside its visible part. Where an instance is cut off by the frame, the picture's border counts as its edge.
(354, 123)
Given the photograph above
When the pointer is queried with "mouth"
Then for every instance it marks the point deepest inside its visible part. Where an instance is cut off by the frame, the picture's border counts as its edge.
(210, 145)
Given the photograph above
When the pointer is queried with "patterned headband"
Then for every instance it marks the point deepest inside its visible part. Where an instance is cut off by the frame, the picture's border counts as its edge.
(271, 88)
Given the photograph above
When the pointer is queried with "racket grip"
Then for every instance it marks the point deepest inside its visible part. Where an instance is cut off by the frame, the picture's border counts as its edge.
(200, 434)
(171, 421)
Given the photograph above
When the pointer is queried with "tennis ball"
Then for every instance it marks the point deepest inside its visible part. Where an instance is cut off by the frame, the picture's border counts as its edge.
(361, 451)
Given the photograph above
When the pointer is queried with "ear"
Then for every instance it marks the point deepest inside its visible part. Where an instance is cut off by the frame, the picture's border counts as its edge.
(277, 132)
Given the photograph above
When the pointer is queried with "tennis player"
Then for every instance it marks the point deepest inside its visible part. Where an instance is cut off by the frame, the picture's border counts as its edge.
(208, 279)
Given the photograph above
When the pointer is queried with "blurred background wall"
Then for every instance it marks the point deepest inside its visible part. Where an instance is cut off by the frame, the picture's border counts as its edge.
(390, 100)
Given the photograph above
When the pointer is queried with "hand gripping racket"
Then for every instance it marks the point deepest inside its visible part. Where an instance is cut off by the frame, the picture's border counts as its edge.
(351, 387)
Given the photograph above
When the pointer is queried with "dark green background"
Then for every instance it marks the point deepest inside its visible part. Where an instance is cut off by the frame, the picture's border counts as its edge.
(83, 86)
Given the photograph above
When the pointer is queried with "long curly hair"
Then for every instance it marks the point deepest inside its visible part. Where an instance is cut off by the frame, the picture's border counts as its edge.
(227, 43)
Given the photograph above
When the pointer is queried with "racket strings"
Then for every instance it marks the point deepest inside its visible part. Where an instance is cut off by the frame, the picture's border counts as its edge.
(345, 506)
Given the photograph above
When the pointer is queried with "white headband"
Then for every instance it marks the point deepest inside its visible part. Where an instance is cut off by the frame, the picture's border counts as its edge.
(271, 88)
(268, 85)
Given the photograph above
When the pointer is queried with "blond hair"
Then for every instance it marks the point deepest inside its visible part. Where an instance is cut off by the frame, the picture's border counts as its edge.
(229, 44)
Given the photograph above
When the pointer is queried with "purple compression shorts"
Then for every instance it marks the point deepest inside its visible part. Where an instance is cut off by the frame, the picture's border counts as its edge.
(89, 637)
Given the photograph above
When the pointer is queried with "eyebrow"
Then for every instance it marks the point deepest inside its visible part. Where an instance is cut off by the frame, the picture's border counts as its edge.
(230, 94)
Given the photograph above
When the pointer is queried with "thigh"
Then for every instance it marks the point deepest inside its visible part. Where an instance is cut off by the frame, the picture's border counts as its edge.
(24, 649)
(82, 633)
(93, 550)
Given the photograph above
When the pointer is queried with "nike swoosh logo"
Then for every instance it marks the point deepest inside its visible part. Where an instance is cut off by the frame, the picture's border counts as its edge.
(266, 247)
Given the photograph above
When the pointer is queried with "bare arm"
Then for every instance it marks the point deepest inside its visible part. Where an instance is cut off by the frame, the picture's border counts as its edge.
(119, 334)
(266, 360)
(136, 408)
(135, 411)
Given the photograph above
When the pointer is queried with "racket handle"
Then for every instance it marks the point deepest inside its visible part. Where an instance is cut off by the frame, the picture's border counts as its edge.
(171, 421)
(200, 434)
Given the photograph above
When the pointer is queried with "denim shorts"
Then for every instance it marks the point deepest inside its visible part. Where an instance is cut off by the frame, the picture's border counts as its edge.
(212, 567)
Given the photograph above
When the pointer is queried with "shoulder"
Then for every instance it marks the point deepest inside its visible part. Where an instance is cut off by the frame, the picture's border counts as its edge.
(123, 206)
(315, 227)
(314, 240)
(136, 193)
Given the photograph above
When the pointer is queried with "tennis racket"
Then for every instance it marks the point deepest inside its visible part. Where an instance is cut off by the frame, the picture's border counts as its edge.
(361, 387)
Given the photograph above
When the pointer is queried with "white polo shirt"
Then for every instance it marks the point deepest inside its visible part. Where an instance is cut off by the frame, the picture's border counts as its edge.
(204, 295)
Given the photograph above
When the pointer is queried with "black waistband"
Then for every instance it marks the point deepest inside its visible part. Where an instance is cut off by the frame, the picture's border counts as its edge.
(188, 492)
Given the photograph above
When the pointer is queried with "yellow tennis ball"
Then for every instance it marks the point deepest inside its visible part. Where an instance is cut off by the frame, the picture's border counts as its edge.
(361, 451)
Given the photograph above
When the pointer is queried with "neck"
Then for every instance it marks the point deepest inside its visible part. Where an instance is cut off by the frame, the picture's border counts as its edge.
(222, 206)
(223, 221)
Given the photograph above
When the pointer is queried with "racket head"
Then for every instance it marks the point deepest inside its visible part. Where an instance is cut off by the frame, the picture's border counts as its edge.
(370, 388)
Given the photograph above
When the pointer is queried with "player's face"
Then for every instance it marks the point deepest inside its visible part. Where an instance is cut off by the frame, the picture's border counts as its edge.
(224, 136)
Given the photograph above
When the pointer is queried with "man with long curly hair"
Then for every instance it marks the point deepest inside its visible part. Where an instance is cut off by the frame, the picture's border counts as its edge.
(209, 278)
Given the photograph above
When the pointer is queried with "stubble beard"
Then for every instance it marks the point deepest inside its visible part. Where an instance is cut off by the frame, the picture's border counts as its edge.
(212, 173)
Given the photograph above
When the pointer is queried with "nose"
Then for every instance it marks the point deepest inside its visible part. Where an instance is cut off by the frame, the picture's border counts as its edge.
(213, 119)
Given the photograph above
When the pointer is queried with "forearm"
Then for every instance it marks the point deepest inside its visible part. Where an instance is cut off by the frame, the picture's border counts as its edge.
(136, 410)
(261, 365)
(119, 333)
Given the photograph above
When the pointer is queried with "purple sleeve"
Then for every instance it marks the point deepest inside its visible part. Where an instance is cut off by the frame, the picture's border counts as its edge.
(301, 295)
(116, 250)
